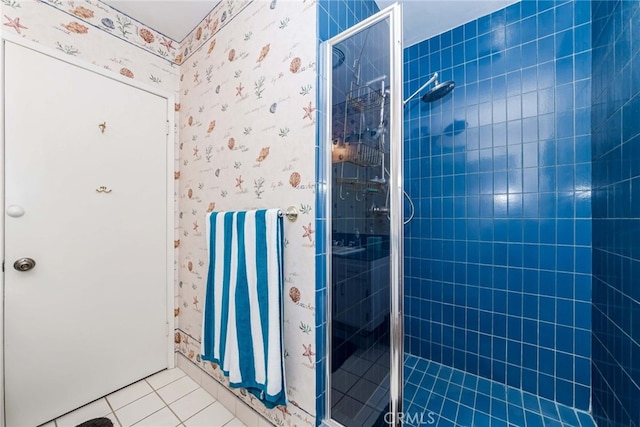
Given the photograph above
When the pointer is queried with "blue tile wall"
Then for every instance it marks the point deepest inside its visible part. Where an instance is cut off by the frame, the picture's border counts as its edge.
(334, 16)
(498, 257)
(616, 213)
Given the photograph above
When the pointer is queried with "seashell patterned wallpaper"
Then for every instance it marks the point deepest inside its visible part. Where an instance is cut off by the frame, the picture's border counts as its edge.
(247, 141)
(246, 127)
(96, 33)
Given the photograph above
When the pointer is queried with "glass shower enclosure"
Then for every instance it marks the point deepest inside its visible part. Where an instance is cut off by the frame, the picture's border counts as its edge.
(362, 138)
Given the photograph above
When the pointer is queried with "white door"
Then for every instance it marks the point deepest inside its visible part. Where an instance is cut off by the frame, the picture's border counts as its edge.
(90, 317)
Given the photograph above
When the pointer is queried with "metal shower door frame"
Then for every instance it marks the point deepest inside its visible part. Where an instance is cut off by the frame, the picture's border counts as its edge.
(393, 14)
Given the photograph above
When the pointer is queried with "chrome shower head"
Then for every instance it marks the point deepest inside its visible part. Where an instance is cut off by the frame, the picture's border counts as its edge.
(438, 91)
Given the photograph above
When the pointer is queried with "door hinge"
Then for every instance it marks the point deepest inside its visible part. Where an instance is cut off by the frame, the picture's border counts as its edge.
(167, 329)
(167, 127)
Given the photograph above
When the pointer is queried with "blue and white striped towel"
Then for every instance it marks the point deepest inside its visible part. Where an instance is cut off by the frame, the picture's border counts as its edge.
(242, 327)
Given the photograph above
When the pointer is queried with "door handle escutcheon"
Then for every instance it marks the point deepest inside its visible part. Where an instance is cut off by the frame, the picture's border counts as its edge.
(24, 264)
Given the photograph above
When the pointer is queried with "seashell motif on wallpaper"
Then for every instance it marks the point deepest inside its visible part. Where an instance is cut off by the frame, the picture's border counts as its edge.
(264, 52)
(236, 133)
(191, 354)
(294, 179)
(146, 35)
(176, 107)
(294, 294)
(199, 33)
(176, 312)
(82, 12)
(178, 59)
(177, 338)
(176, 243)
(176, 175)
(76, 27)
(126, 72)
(263, 154)
(223, 17)
(108, 23)
(273, 4)
(212, 45)
(296, 63)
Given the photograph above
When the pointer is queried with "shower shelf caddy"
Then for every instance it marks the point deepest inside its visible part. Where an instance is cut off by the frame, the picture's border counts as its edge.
(361, 185)
(359, 154)
(364, 98)
(361, 101)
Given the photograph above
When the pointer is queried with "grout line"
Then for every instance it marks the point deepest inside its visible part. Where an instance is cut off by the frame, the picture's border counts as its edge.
(153, 413)
(113, 410)
(171, 382)
(193, 415)
(169, 407)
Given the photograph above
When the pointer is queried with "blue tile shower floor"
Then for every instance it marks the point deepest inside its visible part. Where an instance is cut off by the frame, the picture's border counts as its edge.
(438, 395)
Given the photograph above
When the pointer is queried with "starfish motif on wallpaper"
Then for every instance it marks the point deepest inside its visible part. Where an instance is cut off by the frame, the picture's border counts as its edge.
(195, 152)
(195, 226)
(195, 302)
(207, 21)
(239, 182)
(308, 352)
(308, 232)
(14, 23)
(196, 77)
(239, 90)
(308, 112)
(168, 43)
(284, 410)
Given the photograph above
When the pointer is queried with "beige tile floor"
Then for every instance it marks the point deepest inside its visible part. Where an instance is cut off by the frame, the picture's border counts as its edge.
(166, 399)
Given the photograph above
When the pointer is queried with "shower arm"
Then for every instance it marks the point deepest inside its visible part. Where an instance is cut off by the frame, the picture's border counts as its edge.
(431, 80)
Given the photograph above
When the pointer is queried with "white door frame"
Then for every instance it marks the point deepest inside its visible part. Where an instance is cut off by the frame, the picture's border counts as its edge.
(170, 97)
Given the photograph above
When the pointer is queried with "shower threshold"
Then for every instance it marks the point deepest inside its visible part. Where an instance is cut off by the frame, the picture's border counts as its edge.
(438, 395)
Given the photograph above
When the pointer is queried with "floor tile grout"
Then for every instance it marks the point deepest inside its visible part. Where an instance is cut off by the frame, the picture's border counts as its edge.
(182, 423)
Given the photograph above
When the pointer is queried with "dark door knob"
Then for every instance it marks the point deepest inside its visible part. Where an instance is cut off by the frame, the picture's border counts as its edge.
(24, 264)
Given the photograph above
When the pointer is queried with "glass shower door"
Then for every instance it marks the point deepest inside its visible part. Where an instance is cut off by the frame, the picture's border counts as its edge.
(363, 138)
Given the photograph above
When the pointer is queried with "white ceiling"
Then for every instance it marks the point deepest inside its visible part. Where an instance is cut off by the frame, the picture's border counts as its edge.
(422, 18)
(173, 18)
